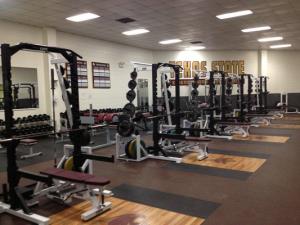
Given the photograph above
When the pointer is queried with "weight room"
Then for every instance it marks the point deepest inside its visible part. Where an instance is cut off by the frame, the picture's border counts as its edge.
(119, 112)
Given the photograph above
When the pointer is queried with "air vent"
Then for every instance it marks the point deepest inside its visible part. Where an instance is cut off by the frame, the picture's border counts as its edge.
(196, 42)
(125, 20)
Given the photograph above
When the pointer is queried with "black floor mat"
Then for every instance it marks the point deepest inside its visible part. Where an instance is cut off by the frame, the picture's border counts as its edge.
(211, 171)
(172, 202)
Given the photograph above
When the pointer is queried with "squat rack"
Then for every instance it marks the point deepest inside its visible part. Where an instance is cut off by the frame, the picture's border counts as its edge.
(14, 174)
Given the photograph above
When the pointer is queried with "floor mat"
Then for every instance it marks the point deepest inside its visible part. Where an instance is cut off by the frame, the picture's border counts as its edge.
(172, 202)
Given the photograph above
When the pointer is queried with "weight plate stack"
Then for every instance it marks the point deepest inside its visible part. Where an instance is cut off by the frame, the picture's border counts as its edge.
(126, 126)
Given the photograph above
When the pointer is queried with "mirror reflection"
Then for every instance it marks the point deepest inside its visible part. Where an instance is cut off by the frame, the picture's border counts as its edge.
(24, 88)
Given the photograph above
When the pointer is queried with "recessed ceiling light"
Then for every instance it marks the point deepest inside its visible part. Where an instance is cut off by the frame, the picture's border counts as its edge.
(126, 20)
(281, 46)
(254, 29)
(83, 17)
(270, 39)
(234, 14)
(196, 42)
(171, 41)
(193, 48)
(135, 32)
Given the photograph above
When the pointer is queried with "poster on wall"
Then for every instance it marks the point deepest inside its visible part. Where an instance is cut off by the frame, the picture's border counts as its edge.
(191, 68)
(82, 73)
(101, 75)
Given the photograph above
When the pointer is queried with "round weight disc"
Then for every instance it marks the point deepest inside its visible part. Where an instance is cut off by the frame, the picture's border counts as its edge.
(129, 109)
(126, 148)
(132, 84)
(133, 75)
(195, 85)
(125, 128)
(132, 150)
(68, 165)
(194, 93)
(130, 95)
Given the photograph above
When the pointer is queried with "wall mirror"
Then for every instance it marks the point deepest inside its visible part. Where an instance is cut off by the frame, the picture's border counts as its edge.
(24, 88)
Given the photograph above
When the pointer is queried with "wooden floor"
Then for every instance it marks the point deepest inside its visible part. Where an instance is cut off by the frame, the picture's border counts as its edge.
(291, 118)
(226, 162)
(283, 126)
(262, 138)
(124, 213)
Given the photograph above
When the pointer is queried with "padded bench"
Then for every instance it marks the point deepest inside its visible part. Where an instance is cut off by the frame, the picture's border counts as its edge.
(99, 206)
(76, 177)
(29, 143)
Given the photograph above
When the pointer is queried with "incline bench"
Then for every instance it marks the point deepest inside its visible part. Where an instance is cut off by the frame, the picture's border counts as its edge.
(88, 180)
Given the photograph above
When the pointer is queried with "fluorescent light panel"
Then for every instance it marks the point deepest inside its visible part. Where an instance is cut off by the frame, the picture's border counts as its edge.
(281, 46)
(135, 32)
(193, 48)
(270, 39)
(234, 14)
(171, 41)
(254, 29)
(83, 17)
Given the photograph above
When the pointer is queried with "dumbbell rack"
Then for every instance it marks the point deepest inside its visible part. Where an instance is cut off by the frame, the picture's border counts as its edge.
(34, 124)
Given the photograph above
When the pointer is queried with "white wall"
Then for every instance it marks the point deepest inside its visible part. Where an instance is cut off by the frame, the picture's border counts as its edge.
(13, 33)
(93, 50)
(283, 70)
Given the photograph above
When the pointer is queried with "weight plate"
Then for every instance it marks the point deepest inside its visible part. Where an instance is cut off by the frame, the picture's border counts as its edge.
(129, 109)
(68, 165)
(194, 93)
(133, 74)
(126, 148)
(195, 85)
(130, 95)
(125, 128)
(132, 84)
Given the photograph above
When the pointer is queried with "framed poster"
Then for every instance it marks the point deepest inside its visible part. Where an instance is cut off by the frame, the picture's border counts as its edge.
(101, 75)
(82, 73)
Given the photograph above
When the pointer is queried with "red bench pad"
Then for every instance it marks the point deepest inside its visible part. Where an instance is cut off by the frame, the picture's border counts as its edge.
(77, 177)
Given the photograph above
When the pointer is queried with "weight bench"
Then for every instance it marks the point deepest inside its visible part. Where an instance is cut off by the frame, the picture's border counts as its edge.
(260, 118)
(29, 143)
(201, 146)
(236, 127)
(87, 181)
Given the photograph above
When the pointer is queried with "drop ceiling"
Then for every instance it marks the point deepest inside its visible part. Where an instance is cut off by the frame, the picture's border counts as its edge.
(189, 20)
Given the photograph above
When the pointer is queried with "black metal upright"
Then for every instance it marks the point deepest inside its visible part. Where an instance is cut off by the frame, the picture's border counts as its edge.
(12, 167)
(260, 94)
(242, 99)
(155, 109)
(75, 114)
(223, 96)
(211, 102)
(265, 94)
(177, 98)
(249, 94)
